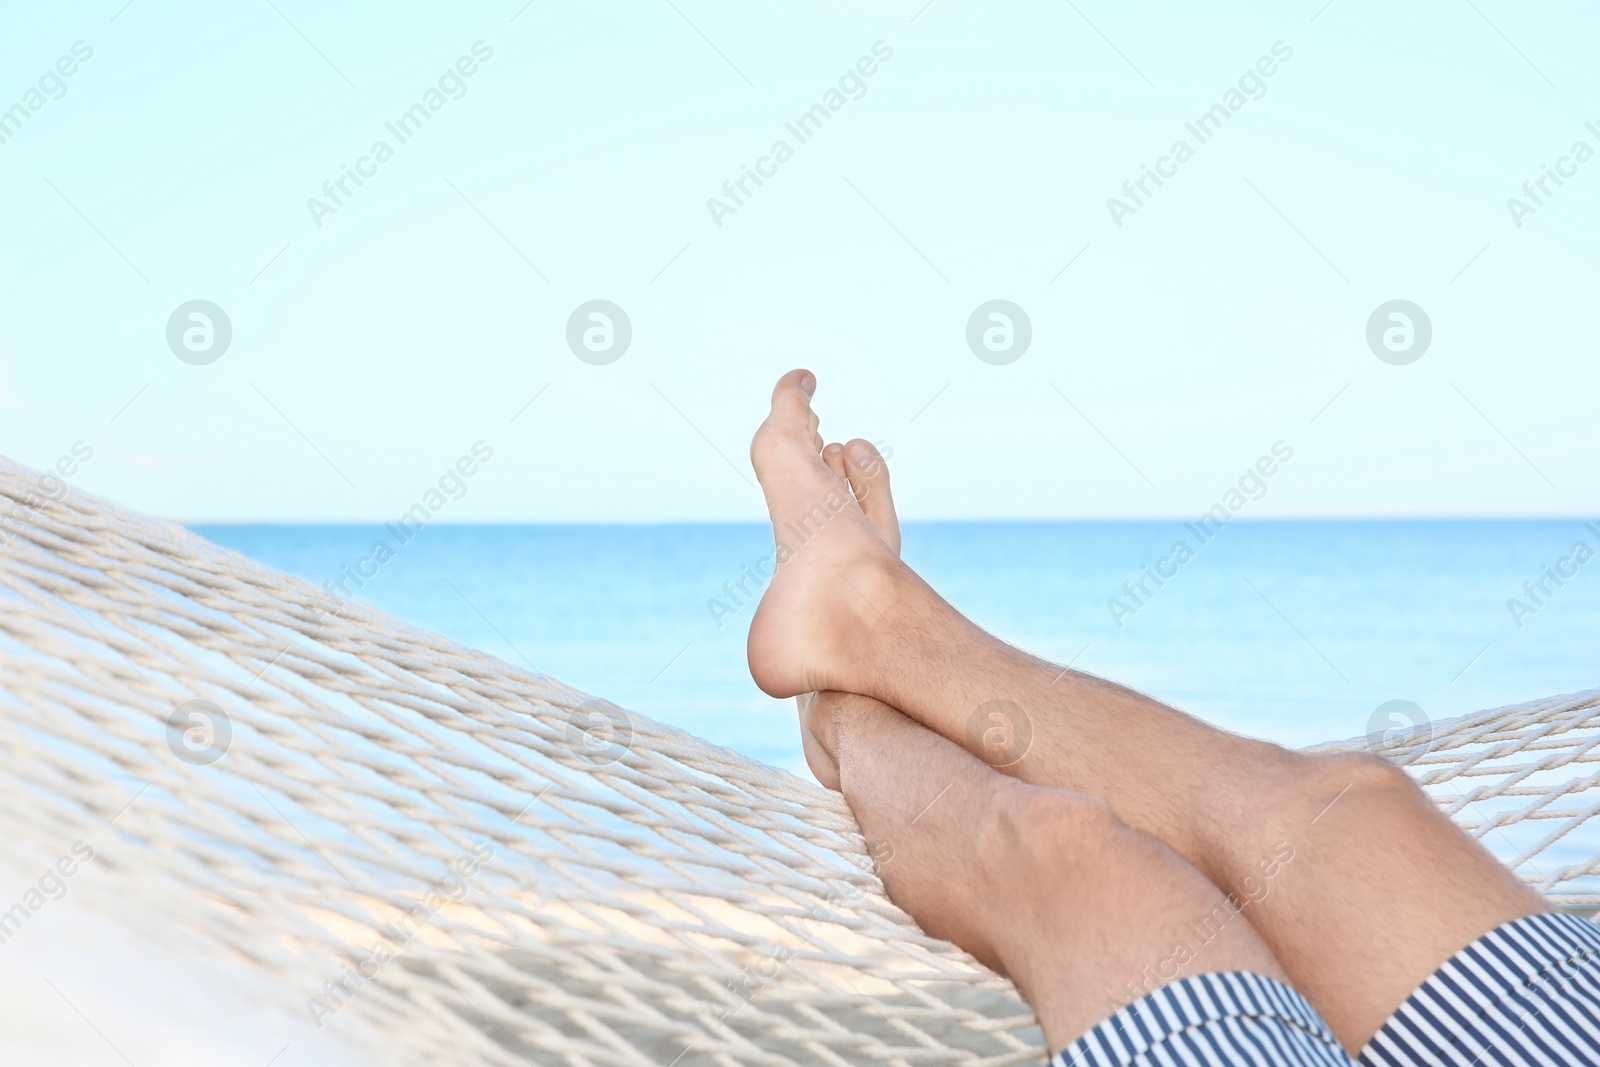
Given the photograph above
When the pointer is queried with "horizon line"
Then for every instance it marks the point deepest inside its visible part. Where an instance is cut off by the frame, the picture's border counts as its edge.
(1328, 517)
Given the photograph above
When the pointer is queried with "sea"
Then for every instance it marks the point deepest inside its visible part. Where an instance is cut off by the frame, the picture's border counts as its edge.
(1295, 631)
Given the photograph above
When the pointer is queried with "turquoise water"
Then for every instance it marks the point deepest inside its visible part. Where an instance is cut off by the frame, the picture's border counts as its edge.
(1294, 631)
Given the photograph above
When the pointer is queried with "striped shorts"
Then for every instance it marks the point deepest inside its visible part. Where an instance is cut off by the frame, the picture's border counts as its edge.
(1524, 994)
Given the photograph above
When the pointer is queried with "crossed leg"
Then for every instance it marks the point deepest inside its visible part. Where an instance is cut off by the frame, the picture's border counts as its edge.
(1379, 888)
(1046, 886)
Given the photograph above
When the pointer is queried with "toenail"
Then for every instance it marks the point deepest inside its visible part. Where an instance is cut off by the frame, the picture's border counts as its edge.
(808, 382)
(863, 457)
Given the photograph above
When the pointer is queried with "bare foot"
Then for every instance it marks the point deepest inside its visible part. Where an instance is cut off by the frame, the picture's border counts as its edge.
(835, 576)
(863, 468)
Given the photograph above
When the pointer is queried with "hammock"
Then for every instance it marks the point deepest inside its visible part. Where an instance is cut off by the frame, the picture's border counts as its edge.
(449, 860)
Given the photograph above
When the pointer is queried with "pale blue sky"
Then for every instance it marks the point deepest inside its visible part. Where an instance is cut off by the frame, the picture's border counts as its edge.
(1223, 316)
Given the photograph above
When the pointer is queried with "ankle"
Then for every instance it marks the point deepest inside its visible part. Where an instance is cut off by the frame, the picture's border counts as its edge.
(875, 589)
(870, 608)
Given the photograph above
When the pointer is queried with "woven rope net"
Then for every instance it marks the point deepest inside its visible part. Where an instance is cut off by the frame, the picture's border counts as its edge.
(452, 860)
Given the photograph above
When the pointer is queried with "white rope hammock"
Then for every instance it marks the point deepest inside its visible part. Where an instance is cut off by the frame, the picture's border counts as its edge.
(637, 897)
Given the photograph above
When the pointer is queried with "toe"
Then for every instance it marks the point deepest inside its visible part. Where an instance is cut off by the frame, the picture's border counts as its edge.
(868, 474)
(791, 422)
(833, 456)
(791, 397)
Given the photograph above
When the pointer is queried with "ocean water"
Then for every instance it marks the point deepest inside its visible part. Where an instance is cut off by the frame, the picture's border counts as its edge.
(1293, 631)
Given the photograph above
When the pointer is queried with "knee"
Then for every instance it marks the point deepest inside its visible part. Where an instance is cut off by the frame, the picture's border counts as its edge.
(1038, 830)
(1358, 776)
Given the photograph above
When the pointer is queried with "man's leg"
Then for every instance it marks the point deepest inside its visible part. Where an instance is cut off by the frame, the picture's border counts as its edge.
(1049, 887)
(1380, 888)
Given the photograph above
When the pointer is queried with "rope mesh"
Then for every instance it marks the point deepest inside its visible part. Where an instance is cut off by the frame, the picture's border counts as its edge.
(457, 861)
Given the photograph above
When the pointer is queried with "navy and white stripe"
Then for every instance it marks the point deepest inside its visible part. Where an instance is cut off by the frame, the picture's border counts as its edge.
(1236, 1019)
(1524, 994)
